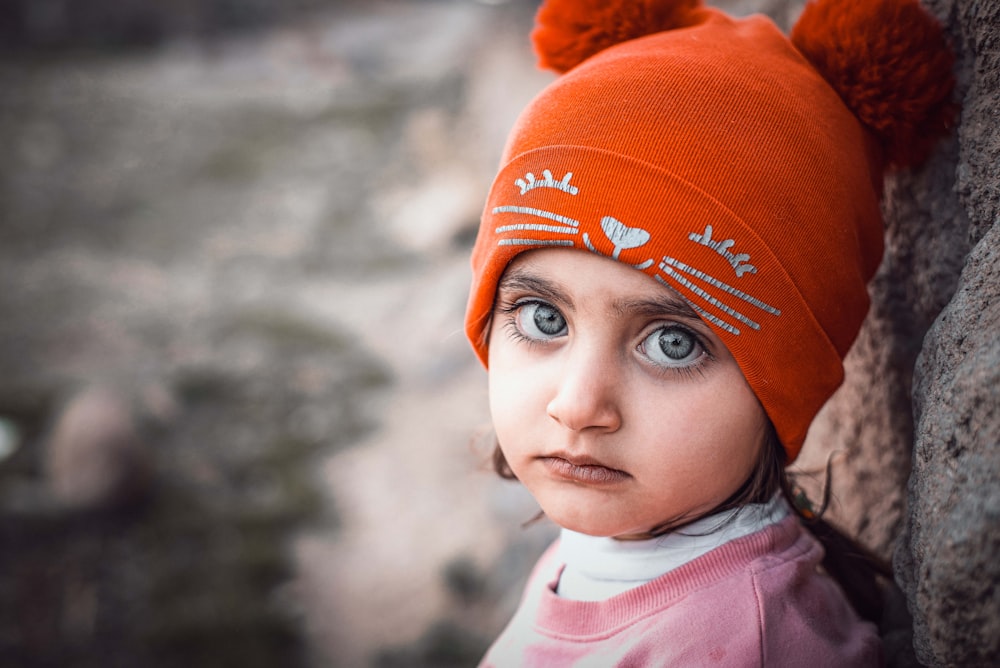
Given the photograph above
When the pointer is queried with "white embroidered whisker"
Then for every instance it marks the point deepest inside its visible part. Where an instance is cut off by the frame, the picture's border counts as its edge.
(541, 213)
(535, 242)
(702, 312)
(719, 284)
(707, 297)
(536, 227)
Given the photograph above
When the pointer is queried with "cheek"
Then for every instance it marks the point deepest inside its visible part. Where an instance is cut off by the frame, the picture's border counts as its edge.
(502, 402)
(717, 428)
(509, 398)
(514, 397)
(510, 421)
(739, 423)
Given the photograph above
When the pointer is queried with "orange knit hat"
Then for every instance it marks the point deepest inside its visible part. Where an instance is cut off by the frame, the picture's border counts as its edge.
(739, 167)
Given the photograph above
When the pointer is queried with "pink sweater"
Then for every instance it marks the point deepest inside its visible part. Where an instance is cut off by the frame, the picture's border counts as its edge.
(755, 601)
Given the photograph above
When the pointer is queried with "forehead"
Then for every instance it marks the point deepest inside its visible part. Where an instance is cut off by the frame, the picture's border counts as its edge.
(579, 267)
(582, 270)
(580, 277)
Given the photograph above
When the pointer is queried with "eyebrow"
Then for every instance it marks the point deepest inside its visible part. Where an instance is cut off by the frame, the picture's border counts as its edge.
(667, 305)
(664, 306)
(519, 280)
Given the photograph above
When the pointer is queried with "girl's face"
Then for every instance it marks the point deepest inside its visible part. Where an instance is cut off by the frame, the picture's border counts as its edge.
(612, 401)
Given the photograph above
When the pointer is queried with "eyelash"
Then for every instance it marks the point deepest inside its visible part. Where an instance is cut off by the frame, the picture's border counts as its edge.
(509, 310)
(688, 370)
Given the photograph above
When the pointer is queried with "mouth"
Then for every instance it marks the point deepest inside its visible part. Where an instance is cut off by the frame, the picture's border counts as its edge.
(583, 470)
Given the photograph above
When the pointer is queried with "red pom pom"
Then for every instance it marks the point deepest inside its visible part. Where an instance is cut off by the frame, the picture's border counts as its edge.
(890, 63)
(567, 32)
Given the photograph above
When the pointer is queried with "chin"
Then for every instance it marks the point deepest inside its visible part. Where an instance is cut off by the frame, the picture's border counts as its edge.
(591, 526)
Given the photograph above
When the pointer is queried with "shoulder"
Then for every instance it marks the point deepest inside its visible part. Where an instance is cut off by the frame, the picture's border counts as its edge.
(803, 614)
(777, 607)
(757, 600)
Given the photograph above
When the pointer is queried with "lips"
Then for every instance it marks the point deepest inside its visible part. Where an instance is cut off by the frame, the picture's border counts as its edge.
(582, 469)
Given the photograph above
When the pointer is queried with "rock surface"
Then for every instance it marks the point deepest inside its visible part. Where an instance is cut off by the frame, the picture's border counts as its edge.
(920, 397)
(946, 558)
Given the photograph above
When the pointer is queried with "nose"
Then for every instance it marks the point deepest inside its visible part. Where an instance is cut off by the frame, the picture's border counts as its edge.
(588, 393)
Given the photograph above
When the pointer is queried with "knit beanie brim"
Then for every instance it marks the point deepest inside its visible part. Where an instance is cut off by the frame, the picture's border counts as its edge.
(717, 159)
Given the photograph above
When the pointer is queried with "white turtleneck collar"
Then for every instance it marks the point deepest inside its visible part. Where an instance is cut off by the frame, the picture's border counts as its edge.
(599, 568)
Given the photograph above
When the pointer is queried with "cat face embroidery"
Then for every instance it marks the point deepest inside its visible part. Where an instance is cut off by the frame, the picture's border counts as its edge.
(622, 237)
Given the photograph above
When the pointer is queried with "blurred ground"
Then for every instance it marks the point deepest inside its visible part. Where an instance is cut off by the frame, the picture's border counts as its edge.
(237, 410)
(254, 248)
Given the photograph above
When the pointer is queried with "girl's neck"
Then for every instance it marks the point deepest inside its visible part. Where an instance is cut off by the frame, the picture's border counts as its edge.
(598, 568)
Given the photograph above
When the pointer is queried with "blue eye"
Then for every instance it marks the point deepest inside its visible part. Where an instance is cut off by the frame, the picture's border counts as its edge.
(537, 320)
(672, 346)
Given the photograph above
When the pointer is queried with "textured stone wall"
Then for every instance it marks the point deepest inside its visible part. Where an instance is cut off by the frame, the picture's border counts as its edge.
(946, 560)
(916, 426)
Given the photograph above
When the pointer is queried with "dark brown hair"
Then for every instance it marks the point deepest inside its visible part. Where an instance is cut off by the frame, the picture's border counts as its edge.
(854, 567)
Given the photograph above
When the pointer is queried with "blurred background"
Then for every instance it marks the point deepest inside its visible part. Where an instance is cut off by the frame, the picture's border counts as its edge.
(240, 424)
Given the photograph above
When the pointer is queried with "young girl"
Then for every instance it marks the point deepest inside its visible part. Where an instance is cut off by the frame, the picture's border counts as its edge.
(671, 266)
